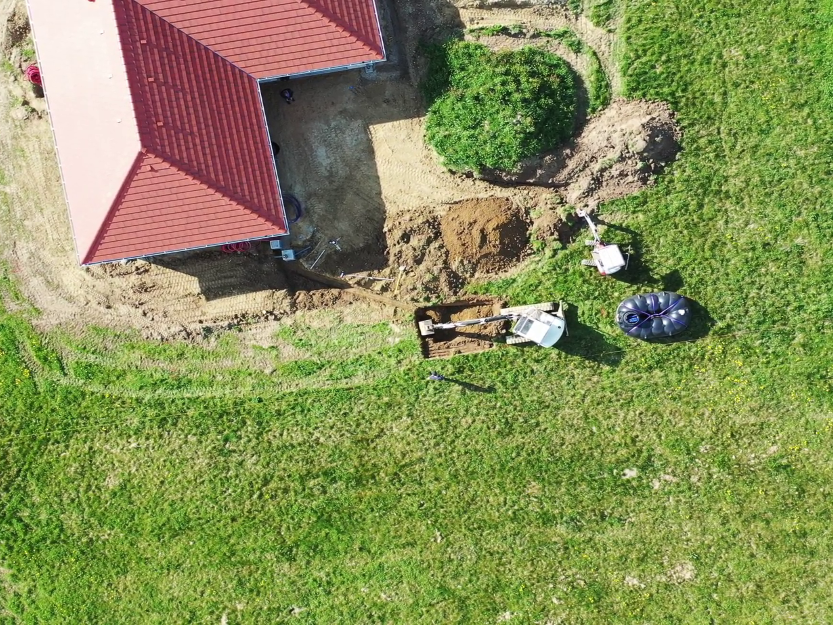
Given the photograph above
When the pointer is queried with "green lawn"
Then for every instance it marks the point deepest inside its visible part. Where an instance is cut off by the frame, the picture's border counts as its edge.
(607, 482)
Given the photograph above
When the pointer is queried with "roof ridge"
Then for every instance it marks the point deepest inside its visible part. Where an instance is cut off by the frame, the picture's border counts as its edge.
(339, 24)
(204, 45)
(173, 162)
(111, 212)
(138, 163)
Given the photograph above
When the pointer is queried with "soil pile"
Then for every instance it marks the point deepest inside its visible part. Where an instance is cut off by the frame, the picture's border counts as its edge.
(484, 235)
(475, 237)
(618, 153)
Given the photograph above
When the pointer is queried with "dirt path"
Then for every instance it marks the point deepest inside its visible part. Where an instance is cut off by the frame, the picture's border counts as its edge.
(617, 153)
(551, 18)
(578, 61)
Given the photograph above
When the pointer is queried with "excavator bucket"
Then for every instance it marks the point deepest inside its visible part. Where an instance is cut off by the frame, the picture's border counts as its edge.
(426, 328)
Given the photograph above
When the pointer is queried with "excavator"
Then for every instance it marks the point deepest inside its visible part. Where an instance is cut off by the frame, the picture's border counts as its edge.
(607, 257)
(542, 324)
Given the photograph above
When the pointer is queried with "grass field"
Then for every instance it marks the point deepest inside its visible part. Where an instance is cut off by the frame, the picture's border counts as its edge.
(608, 482)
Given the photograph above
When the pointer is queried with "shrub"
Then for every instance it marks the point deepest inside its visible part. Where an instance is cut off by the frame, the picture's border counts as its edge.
(494, 109)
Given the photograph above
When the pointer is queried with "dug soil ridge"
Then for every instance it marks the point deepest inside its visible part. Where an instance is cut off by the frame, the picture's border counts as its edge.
(619, 152)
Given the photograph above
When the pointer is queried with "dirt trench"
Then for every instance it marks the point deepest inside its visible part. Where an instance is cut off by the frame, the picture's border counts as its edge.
(466, 340)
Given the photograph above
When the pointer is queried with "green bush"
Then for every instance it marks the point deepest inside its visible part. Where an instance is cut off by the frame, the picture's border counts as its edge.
(494, 109)
(576, 6)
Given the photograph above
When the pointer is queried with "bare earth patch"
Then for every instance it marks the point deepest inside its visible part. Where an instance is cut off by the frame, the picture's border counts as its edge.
(617, 153)
(681, 573)
(353, 152)
(489, 235)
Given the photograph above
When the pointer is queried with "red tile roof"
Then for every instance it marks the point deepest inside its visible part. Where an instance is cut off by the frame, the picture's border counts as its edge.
(204, 173)
(165, 208)
(269, 38)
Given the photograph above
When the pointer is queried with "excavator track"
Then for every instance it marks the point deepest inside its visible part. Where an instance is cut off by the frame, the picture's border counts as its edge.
(543, 307)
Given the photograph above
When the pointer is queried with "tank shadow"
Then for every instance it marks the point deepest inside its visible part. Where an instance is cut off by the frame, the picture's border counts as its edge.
(586, 342)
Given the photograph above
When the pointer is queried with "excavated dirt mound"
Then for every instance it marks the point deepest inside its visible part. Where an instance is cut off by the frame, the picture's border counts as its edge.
(441, 252)
(485, 235)
(618, 153)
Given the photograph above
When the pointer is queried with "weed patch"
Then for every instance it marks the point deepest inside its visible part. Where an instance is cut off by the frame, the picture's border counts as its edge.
(566, 36)
(598, 85)
(602, 12)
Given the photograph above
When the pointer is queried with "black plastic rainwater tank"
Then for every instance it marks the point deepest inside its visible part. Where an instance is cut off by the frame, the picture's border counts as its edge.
(654, 315)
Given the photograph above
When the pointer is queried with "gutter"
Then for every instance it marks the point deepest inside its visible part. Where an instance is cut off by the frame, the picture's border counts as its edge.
(185, 249)
(328, 70)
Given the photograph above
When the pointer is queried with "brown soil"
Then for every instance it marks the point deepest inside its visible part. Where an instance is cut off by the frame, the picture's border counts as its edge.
(550, 226)
(488, 235)
(544, 16)
(14, 26)
(468, 340)
(443, 249)
(618, 152)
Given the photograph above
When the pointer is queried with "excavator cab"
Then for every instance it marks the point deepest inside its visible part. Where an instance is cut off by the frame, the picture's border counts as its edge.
(539, 327)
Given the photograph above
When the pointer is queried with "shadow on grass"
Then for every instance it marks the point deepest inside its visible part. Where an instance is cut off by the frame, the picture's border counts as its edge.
(583, 341)
(672, 281)
(637, 272)
(587, 342)
(474, 388)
